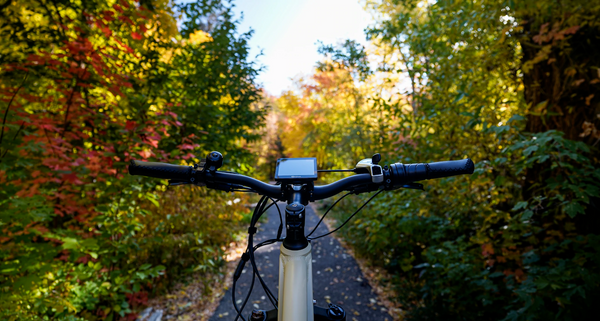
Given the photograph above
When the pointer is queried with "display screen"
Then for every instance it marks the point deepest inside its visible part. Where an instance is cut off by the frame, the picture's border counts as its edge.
(294, 168)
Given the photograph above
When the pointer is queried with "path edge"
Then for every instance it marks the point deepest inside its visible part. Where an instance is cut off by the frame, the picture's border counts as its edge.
(374, 275)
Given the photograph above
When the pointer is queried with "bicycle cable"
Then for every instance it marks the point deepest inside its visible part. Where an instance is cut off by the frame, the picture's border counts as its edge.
(256, 247)
(254, 220)
(252, 259)
(329, 209)
(267, 242)
(239, 311)
(280, 229)
(242, 263)
(260, 209)
(349, 218)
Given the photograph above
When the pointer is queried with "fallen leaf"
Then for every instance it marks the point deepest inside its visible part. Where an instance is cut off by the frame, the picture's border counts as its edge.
(588, 99)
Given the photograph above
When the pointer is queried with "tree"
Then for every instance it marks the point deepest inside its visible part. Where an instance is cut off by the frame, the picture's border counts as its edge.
(489, 80)
(482, 67)
(86, 87)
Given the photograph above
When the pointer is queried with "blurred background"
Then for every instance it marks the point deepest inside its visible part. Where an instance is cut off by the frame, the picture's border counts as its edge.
(87, 86)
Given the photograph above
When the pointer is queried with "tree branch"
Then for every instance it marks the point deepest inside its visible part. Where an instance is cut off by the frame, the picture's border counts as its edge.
(8, 107)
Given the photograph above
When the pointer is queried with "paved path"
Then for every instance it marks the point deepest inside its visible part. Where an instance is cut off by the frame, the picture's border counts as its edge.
(336, 276)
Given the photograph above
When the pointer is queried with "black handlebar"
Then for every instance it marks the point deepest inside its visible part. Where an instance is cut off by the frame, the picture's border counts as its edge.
(262, 188)
(396, 176)
(344, 184)
(160, 170)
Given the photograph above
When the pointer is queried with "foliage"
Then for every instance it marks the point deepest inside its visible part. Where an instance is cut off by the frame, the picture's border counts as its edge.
(510, 85)
(329, 116)
(86, 87)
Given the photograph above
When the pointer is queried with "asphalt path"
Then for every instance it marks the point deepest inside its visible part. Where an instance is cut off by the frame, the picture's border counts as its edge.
(336, 276)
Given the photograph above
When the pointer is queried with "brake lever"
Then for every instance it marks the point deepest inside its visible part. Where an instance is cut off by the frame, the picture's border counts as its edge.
(173, 182)
(366, 189)
(227, 187)
(413, 186)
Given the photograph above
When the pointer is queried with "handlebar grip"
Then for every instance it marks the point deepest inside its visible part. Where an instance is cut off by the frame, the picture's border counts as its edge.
(160, 170)
(450, 168)
(405, 173)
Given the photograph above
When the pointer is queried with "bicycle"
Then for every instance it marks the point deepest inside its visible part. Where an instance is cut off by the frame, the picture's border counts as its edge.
(295, 179)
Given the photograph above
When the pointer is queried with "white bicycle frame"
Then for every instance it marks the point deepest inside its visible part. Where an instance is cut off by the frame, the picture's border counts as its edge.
(295, 285)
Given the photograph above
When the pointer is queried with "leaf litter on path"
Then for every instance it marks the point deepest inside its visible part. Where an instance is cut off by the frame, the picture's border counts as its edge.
(194, 300)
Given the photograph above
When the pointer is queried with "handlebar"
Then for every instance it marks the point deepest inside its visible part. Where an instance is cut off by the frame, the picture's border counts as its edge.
(160, 170)
(403, 174)
(396, 176)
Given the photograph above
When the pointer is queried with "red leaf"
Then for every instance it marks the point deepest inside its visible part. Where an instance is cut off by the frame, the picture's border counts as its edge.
(72, 178)
(125, 4)
(130, 125)
(188, 156)
(126, 19)
(136, 36)
(187, 146)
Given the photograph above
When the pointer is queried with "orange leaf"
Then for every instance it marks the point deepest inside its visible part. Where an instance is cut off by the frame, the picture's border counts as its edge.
(487, 249)
(571, 30)
(588, 99)
(145, 153)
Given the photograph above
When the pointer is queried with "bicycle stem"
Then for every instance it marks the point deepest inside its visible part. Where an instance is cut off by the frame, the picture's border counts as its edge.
(295, 219)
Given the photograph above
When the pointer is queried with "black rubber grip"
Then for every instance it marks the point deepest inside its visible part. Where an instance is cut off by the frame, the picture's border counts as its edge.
(406, 173)
(160, 170)
(450, 168)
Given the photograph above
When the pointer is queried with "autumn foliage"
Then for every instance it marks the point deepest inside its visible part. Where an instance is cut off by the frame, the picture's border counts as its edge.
(86, 87)
(512, 85)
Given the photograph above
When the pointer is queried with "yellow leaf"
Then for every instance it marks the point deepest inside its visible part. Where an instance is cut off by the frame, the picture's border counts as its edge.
(69, 305)
(200, 37)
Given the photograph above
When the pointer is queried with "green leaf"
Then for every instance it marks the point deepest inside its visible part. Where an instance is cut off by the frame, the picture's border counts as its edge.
(520, 205)
(530, 150)
(526, 215)
(573, 208)
(27, 282)
(70, 243)
(516, 118)
(458, 98)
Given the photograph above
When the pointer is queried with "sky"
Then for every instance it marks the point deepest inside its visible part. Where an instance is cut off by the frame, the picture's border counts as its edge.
(287, 32)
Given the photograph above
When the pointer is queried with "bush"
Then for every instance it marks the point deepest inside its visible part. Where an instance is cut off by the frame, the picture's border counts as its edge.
(85, 87)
